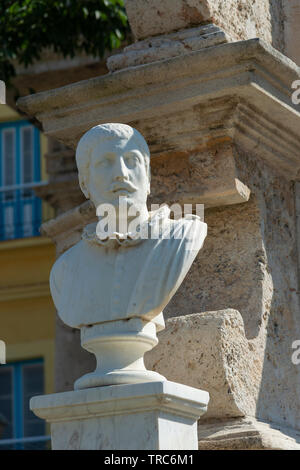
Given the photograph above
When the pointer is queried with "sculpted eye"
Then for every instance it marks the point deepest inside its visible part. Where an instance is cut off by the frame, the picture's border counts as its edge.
(132, 159)
(103, 162)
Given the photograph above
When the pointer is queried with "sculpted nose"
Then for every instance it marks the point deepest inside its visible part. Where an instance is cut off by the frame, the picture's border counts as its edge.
(120, 170)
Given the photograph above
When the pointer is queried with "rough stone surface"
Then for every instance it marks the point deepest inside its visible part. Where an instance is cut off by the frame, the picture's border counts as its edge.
(250, 261)
(152, 17)
(291, 42)
(246, 434)
(209, 351)
(207, 176)
(231, 271)
(280, 386)
(241, 19)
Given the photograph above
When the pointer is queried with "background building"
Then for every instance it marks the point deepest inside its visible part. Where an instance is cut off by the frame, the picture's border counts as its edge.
(26, 309)
(31, 165)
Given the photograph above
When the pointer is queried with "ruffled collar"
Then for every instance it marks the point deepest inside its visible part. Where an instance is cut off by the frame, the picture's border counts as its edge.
(130, 238)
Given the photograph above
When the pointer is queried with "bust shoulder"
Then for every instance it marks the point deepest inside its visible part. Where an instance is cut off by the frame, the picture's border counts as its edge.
(58, 270)
(189, 228)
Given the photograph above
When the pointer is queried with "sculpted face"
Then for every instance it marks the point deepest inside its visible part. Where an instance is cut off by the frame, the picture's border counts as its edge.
(117, 168)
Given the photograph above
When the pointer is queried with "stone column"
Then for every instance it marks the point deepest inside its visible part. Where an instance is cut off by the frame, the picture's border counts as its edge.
(214, 103)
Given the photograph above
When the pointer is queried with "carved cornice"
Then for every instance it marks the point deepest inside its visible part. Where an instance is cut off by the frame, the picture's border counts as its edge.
(242, 91)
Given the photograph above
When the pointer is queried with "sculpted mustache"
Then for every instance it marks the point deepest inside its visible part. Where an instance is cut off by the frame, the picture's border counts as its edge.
(117, 186)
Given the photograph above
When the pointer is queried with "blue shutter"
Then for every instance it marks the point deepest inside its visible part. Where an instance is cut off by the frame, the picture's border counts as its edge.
(19, 381)
(9, 179)
(6, 401)
(20, 209)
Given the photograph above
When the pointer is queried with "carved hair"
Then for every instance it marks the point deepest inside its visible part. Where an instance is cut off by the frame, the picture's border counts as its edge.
(102, 133)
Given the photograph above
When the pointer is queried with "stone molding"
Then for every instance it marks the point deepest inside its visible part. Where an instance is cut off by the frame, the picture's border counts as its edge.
(233, 87)
(103, 401)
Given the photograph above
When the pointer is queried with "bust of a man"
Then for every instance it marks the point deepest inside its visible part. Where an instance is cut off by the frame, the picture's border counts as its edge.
(108, 278)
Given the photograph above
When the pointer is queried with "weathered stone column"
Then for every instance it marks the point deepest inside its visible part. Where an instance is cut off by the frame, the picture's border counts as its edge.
(215, 105)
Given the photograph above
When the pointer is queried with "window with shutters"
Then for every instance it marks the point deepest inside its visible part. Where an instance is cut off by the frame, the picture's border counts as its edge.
(19, 381)
(20, 209)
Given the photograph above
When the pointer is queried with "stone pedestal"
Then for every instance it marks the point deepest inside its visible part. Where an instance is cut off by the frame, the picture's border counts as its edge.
(146, 416)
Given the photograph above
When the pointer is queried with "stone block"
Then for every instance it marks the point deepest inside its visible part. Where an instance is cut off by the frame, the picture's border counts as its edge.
(149, 18)
(209, 351)
(207, 176)
(241, 20)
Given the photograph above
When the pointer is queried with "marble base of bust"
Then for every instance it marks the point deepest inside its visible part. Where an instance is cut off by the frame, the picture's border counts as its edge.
(119, 347)
(159, 415)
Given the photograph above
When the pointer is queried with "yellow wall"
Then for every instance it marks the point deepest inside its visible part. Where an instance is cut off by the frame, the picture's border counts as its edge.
(8, 114)
(25, 263)
(27, 313)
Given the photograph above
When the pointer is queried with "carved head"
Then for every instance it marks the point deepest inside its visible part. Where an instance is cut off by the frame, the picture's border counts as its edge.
(113, 160)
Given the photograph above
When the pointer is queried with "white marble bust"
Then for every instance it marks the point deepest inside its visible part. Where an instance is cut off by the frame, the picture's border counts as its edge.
(97, 282)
